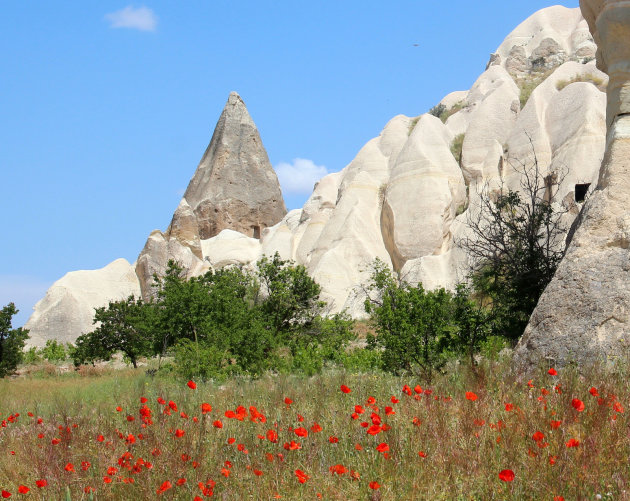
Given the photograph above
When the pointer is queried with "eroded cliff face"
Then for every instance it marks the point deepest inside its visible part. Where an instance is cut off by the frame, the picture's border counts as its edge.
(584, 314)
(406, 196)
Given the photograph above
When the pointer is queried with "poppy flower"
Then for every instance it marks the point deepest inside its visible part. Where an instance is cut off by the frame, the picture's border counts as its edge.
(471, 396)
(506, 475)
(509, 407)
(333, 440)
(22, 489)
(41, 483)
(69, 467)
(100, 438)
(538, 436)
(573, 443)
(617, 407)
(231, 440)
(166, 485)
(394, 400)
(552, 372)
(593, 391)
(301, 476)
(55, 441)
(6, 494)
(345, 389)
(192, 385)
(272, 436)
(382, 447)
(316, 428)
(258, 473)
(107, 480)
(179, 433)
(406, 390)
(558, 498)
(180, 481)
(339, 469)
(288, 401)
(119, 409)
(577, 404)
(301, 432)
(206, 408)
(217, 424)
(374, 485)
(422, 454)
(358, 447)
(555, 424)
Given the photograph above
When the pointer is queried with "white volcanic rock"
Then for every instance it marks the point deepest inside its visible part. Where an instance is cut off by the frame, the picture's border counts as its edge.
(67, 309)
(231, 248)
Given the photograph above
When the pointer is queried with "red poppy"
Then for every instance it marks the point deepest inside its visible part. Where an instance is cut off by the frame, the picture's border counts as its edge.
(179, 433)
(180, 481)
(382, 447)
(69, 467)
(555, 424)
(471, 396)
(217, 424)
(288, 401)
(6, 494)
(301, 432)
(22, 489)
(231, 440)
(301, 476)
(617, 407)
(394, 400)
(538, 436)
(316, 428)
(119, 408)
(577, 404)
(422, 454)
(339, 469)
(55, 441)
(406, 390)
(258, 473)
(272, 436)
(166, 485)
(552, 372)
(374, 485)
(573, 443)
(206, 408)
(85, 465)
(509, 407)
(389, 411)
(192, 385)
(345, 389)
(506, 475)
(107, 480)
(374, 429)
(333, 440)
(41, 483)
(593, 391)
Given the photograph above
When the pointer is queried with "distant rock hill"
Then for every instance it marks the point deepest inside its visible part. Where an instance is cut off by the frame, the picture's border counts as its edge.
(406, 196)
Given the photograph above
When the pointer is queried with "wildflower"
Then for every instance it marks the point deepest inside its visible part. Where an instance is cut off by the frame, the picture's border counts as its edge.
(509, 407)
(85, 465)
(41, 483)
(119, 409)
(301, 476)
(471, 396)
(555, 424)
(506, 475)
(22, 489)
(107, 480)
(217, 424)
(394, 400)
(192, 385)
(358, 447)
(552, 372)
(301, 432)
(181, 481)
(6, 494)
(316, 428)
(552, 460)
(344, 389)
(617, 407)
(573, 443)
(166, 485)
(538, 436)
(206, 408)
(179, 433)
(374, 429)
(374, 485)
(288, 401)
(422, 454)
(339, 469)
(593, 391)
(69, 467)
(258, 473)
(333, 440)
(577, 404)
(382, 447)
(272, 436)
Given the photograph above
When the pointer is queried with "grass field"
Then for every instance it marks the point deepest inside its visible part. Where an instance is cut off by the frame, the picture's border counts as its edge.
(468, 435)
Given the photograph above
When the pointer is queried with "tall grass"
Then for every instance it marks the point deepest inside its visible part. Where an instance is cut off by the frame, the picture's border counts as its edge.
(466, 442)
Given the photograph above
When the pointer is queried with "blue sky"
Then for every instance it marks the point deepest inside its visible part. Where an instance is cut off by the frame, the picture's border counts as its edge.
(107, 107)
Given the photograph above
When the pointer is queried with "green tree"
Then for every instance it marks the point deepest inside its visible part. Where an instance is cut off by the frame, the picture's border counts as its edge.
(124, 326)
(53, 351)
(472, 323)
(412, 324)
(516, 244)
(12, 341)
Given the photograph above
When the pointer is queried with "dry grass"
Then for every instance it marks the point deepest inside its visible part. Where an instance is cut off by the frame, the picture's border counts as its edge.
(588, 77)
(466, 442)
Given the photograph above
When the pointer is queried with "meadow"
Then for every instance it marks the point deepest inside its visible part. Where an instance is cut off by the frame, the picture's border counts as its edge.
(472, 433)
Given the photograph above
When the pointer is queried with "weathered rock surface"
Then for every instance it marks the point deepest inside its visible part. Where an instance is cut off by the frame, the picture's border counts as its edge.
(67, 309)
(406, 196)
(584, 313)
(234, 188)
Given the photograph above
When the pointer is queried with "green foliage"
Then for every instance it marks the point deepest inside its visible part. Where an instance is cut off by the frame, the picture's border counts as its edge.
(517, 244)
(456, 147)
(202, 362)
(53, 351)
(11, 341)
(125, 326)
(411, 324)
(528, 84)
(586, 77)
(437, 110)
(472, 323)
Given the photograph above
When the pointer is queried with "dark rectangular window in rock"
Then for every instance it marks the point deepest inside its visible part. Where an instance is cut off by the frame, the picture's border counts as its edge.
(580, 192)
(256, 231)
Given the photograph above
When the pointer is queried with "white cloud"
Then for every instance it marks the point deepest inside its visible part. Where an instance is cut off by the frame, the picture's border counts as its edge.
(300, 176)
(136, 18)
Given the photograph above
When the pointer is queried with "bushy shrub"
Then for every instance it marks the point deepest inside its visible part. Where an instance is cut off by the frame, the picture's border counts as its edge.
(11, 341)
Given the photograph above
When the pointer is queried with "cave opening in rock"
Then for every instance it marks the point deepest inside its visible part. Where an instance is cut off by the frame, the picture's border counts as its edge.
(256, 230)
(580, 192)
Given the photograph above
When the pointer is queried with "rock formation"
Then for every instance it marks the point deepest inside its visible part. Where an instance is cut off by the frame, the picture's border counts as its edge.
(407, 195)
(67, 309)
(584, 313)
(234, 187)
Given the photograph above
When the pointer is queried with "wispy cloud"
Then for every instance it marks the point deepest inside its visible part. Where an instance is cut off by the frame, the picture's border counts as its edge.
(135, 18)
(300, 176)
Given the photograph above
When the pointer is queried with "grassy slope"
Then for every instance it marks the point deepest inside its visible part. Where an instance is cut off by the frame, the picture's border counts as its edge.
(467, 443)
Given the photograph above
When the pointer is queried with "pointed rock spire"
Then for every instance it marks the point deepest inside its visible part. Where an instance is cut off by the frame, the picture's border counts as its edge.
(235, 186)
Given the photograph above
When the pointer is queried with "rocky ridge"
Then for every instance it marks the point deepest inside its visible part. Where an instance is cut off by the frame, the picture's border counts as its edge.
(406, 196)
